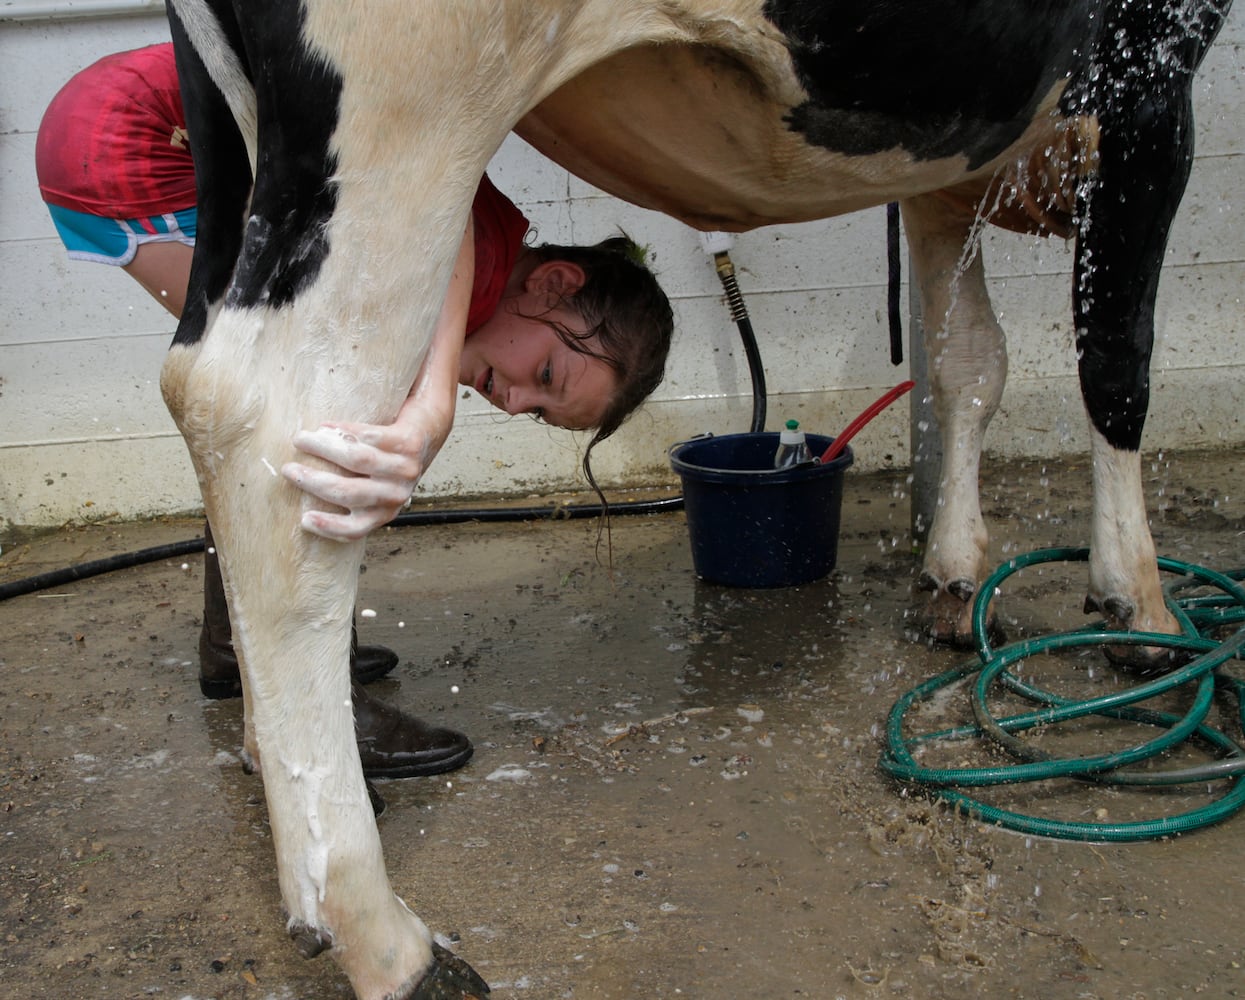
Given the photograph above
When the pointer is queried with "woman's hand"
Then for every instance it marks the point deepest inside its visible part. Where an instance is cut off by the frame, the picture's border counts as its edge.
(378, 467)
(381, 464)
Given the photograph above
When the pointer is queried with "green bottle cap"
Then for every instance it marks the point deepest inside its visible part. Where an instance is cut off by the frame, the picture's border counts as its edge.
(793, 425)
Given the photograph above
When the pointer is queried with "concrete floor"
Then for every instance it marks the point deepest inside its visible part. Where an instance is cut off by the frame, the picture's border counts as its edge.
(675, 790)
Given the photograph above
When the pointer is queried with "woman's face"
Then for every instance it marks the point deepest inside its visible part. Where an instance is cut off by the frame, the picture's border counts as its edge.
(517, 361)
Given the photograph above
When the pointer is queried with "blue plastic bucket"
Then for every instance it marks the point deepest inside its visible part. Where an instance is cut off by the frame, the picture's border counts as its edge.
(752, 525)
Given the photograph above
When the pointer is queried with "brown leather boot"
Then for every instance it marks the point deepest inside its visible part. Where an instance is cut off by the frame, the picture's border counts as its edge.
(393, 744)
(218, 664)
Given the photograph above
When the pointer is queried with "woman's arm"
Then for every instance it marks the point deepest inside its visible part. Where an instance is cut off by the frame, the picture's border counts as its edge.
(381, 464)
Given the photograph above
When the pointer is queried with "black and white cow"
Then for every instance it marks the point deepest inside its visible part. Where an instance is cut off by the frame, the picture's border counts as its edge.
(366, 126)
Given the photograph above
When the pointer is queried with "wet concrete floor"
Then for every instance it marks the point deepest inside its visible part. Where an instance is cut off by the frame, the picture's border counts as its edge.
(675, 791)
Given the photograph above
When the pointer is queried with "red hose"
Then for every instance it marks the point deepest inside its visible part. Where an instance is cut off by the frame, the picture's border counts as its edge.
(850, 431)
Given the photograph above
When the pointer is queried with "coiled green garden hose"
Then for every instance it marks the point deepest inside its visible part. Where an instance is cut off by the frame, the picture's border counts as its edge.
(1202, 617)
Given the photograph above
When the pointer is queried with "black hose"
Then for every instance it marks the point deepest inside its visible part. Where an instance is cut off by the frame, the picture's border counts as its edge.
(739, 313)
(562, 512)
(59, 577)
(412, 518)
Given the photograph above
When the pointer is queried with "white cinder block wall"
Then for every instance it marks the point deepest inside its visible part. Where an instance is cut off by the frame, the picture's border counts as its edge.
(84, 433)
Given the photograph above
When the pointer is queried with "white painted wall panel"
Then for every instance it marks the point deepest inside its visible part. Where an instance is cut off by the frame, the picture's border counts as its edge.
(21, 217)
(47, 297)
(83, 432)
(122, 397)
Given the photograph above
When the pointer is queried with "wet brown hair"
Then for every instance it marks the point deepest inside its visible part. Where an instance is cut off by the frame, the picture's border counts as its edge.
(624, 307)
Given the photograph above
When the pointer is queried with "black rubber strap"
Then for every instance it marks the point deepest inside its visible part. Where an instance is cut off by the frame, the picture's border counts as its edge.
(893, 276)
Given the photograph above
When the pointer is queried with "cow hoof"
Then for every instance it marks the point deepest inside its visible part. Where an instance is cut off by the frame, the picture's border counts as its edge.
(1120, 615)
(1117, 612)
(940, 631)
(946, 618)
(310, 941)
(449, 978)
(962, 590)
(1146, 662)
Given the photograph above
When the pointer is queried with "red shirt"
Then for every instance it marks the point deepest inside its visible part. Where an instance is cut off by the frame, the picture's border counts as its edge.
(113, 144)
(113, 141)
(499, 232)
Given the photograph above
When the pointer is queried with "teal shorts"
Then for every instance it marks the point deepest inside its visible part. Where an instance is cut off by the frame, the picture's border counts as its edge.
(115, 241)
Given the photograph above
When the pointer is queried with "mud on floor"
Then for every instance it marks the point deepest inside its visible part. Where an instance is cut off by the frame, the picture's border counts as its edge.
(675, 791)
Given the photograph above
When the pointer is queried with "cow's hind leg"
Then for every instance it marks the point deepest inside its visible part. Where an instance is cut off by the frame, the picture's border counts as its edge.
(1125, 210)
(968, 366)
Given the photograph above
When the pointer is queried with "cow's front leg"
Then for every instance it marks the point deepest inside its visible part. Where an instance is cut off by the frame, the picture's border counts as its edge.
(290, 595)
(968, 366)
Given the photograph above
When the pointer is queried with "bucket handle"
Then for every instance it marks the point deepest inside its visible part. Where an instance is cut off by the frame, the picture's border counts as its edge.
(680, 444)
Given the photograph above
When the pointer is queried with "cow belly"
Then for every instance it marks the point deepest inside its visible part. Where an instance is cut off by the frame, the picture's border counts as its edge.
(702, 134)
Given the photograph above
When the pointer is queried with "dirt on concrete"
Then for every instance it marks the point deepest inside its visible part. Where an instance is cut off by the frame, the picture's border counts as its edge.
(675, 791)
